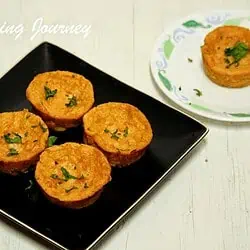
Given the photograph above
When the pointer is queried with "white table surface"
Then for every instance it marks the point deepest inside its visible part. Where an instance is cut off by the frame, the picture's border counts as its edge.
(203, 205)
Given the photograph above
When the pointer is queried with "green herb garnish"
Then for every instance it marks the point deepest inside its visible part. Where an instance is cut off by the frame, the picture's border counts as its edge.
(43, 128)
(49, 93)
(27, 117)
(68, 190)
(34, 126)
(52, 140)
(54, 176)
(68, 176)
(86, 185)
(125, 132)
(16, 139)
(106, 130)
(26, 134)
(72, 102)
(198, 92)
(190, 60)
(238, 51)
(114, 135)
(12, 152)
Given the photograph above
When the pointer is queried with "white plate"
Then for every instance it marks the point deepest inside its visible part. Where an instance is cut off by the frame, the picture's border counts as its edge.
(177, 77)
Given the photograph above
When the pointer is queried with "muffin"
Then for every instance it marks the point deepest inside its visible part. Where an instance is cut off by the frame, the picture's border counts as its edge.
(225, 56)
(120, 130)
(23, 136)
(61, 98)
(72, 175)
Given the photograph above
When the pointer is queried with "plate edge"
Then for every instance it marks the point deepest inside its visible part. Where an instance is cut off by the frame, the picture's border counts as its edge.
(240, 120)
(31, 230)
(132, 207)
(35, 232)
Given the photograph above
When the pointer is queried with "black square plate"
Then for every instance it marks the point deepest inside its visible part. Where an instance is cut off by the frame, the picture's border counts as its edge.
(175, 134)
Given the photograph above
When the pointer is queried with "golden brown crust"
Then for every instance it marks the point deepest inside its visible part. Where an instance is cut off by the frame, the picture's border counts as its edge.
(120, 130)
(33, 134)
(74, 204)
(213, 57)
(87, 166)
(55, 110)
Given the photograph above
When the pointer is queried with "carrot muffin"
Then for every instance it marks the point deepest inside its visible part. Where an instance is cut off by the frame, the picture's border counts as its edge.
(120, 130)
(23, 136)
(61, 98)
(226, 57)
(72, 175)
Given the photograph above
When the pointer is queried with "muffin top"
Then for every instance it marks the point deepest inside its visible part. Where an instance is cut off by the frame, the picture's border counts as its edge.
(22, 135)
(72, 172)
(61, 94)
(118, 127)
(225, 50)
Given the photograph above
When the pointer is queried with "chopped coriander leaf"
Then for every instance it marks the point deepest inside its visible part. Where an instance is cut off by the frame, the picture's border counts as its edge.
(238, 51)
(34, 126)
(68, 190)
(16, 139)
(12, 152)
(106, 130)
(198, 92)
(43, 128)
(52, 140)
(125, 132)
(28, 116)
(54, 176)
(49, 93)
(26, 134)
(86, 185)
(114, 135)
(68, 176)
(190, 60)
(72, 102)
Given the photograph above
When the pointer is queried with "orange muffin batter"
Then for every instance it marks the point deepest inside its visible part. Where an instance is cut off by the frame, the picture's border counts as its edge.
(61, 98)
(23, 136)
(72, 175)
(120, 130)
